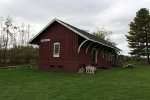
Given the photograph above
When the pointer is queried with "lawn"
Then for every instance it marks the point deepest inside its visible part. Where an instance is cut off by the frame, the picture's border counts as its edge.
(107, 84)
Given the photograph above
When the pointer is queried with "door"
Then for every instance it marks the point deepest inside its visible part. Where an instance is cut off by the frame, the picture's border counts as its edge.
(94, 56)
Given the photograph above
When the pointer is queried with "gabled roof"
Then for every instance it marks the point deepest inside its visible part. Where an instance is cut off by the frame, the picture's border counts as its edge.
(80, 32)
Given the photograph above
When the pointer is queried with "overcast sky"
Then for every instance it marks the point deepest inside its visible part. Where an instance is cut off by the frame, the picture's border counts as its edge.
(114, 15)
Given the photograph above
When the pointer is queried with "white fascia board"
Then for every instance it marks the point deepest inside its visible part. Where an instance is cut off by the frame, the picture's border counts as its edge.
(42, 30)
(61, 24)
(104, 44)
(81, 45)
(72, 29)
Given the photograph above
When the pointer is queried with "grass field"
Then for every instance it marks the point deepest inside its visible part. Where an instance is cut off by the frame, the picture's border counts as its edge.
(106, 84)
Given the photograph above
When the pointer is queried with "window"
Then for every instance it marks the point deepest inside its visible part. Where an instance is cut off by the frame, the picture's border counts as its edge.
(56, 49)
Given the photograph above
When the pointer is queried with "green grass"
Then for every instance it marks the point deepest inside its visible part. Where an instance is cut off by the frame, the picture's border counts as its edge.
(106, 84)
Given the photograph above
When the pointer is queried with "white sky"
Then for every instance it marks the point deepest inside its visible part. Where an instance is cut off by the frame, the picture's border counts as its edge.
(114, 15)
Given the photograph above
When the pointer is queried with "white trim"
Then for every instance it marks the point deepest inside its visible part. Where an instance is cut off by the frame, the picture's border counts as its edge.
(42, 30)
(54, 53)
(81, 45)
(104, 44)
(107, 50)
(99, 50)
(88, 47)
(45, 40)
(61, 24)
(94, 48)
(96, 45)
(71, 30)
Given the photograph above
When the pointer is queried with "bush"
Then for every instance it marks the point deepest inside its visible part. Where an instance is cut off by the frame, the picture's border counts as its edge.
(130, 66)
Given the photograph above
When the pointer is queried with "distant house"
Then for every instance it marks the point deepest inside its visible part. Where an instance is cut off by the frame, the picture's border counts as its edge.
(65, 47)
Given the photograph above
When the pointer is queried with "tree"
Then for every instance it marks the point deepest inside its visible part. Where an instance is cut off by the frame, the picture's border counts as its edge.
(14, 48)
(102, 33)
(0, 53)
(6, 35)
(139, 34)
(1, 40)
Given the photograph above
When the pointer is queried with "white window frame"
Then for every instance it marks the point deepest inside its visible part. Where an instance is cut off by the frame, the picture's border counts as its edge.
(54, 53)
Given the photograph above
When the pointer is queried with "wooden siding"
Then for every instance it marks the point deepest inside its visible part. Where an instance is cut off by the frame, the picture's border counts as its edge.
(84, 58)
(70, 59)
(68, 49)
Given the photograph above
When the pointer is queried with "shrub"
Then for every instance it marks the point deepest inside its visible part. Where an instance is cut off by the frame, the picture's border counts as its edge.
(129, 66)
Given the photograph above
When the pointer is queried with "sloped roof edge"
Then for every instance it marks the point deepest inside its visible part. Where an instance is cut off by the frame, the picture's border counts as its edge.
(72, 29)
(52, 23)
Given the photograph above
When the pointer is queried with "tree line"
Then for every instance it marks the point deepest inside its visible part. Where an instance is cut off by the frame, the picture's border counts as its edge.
(14, 47)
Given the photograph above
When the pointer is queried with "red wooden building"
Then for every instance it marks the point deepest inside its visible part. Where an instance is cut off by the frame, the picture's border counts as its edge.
(65, 47)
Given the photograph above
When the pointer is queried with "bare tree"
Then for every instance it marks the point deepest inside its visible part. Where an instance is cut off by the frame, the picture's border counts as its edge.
(22, 34)
(7, 33)
(28, 33)
(0, 40)
(14, 48)
(104, 34)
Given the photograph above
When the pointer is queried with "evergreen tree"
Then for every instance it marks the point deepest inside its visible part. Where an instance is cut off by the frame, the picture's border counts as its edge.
(139, 34)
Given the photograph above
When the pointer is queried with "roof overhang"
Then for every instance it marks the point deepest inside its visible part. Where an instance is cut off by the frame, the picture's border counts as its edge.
(70, 28)
(59, 23)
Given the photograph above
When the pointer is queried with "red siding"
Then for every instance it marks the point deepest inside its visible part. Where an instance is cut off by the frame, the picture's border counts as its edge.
(69, 43)
(84, 58)
(68, 49)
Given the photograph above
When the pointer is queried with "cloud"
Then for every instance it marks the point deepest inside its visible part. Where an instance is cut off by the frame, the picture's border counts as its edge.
(114, 15)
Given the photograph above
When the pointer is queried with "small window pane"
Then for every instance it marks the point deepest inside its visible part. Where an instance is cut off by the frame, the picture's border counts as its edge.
(56, 50)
